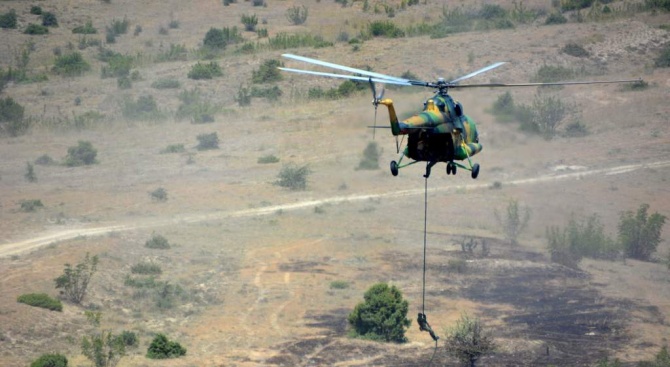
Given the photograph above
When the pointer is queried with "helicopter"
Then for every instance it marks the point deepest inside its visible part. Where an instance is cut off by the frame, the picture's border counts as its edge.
(441, 132)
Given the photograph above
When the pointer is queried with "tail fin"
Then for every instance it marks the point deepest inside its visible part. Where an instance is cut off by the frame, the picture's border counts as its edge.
(395, 126)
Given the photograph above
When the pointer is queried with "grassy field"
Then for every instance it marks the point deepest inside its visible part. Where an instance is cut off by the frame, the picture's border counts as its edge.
(256, 274)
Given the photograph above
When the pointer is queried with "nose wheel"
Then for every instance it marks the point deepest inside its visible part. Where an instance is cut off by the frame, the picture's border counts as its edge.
(475, 170)
(394, 168)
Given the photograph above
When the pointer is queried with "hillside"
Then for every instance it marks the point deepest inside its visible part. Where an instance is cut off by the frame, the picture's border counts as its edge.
(249, 277)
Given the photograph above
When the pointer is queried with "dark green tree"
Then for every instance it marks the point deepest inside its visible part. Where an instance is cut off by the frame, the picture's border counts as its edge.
(640, 233)
(73, 283)
(50, 360)
(103, 348)
(162, 348)
(382, 315)
(11, 118)
(81, 155)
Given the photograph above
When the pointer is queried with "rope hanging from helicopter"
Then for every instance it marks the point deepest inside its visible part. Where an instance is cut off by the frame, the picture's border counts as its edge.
(421, 319)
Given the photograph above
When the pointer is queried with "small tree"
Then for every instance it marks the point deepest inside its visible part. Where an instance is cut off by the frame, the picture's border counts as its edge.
(30, 173)
(640, 234)
(382, 316)
(103, 348)
(267, 72)
(208, 141)
(293, 177)
(11, 118)
(81, 155)
(513, 221)
(250, 22)
(73, 284)
(162, 348)
(468, 341)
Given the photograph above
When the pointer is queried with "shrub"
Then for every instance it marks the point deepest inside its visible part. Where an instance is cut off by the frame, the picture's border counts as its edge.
(174, 24)
(468, 340)
(157, 242)
(382, 315)
(118, 27)
(297, 15)
(31, 205)
(117, 66)
(8, 19)
(243, 97)
(268, 159)
(175, 53)
(159, 194)
(145, 108)
(123, 82)
(104, 349)
(284, 40)
(504, 105)
(207, 141)
(72, 64)
(30, 173)
(194, 107)
(173, 148)
(36, 29)
(271, 93)
(550, 74)
(85, 29)
(162, 348)
(293, 177)
(45, 160)
(640, 233)
(36, 10)
(11, 118)
(218, 39)
(250, 22)
(129, 338)
(50, 360)
(663, 60)
(146, 268)
(567, 5)
(267, 72)
(575, 50)
(81, 155)
(166, 84)
(580, 238)
(205, 71)
(370, 160)
(49, 19)
(555, 18)
(339, 284)
(458, 266)
(73, 283)
(513, 221)
(41, 300)
(385, 29)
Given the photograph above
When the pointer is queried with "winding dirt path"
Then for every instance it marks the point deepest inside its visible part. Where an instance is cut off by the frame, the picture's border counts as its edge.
(48, 238)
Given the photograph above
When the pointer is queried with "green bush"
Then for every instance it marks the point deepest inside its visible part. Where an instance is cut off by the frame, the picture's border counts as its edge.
(640, 233)
(41, 300)
(266, 159)
(285, 40)
(468, 341)
(207, 141)
(205, 71)
(145, 108)
(271, 93)
(81, 155)
(129, 338)
(370, 160)
(339, 284)
(575, 50)
(385, 29)
(50, 360)
(293, 177)
(146, 268)
(36, 10)
(157, 242)
(582, 238)
(267, 72)
(11, 118)
(31, 205)
(160, 194)
(218, 39)
(72, 64)
(162, 348)
(173, 148)
(49, 19)
(249, 22)
(85, 29)
(550, 74)
(118, 27)
(175, 53)
(297, 15)
(663, 60)
(8, 19)
(555, 18)
(36, 29)
(567, 5)
(117, 66)
(381, 316)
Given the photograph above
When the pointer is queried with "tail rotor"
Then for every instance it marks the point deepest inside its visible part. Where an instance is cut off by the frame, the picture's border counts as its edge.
(376, 98)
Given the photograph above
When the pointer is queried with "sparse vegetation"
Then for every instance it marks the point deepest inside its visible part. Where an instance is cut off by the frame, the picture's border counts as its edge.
(160, 194)
(31, 205)
(269, 158)
(41, 300)
(640, 233)
(205, 71)
(145, 108)
(73, 283)
(552, 73)
(30, 173)
(513, 221)
(293, 177)
(267, 72)
(249, 22)
(49, 19)
(129, 338)
(663, 60)
(36, 29)
(45, 160)
(157, 242)
(166, 84)
(103, 348)
(85, 29)
(382, 315)
(146, 268)
(207, 141)
(8, 19)
(50, 360)
(12, 122)
(574, 49)
(283, 41)
(117, 65)
(580, 238)
(81, 155)
(163, 348)
(177, 52)
(339, 284)
(297, 15)
(370, 160)
(468, 340)
(195, 107)
(72, 64)
(173, 148)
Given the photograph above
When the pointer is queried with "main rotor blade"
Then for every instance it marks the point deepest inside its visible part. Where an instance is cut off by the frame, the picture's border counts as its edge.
(492, 66)
(503, 85)
(350, 77)
(344, 68)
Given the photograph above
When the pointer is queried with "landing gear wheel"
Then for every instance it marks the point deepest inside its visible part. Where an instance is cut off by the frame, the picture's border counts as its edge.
(394, 168)
(475, 170)
(451, 168)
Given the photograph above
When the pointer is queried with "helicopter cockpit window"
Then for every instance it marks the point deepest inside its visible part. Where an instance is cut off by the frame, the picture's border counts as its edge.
(440, 106)
(458, 108)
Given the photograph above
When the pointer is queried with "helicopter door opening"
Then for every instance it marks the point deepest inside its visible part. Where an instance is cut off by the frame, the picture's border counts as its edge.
(425, 146)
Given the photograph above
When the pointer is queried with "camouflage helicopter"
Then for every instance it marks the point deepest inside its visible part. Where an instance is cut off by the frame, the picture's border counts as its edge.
(441, 132)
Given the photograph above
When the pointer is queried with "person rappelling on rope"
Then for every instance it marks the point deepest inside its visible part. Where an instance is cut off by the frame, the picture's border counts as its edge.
(425, 326)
